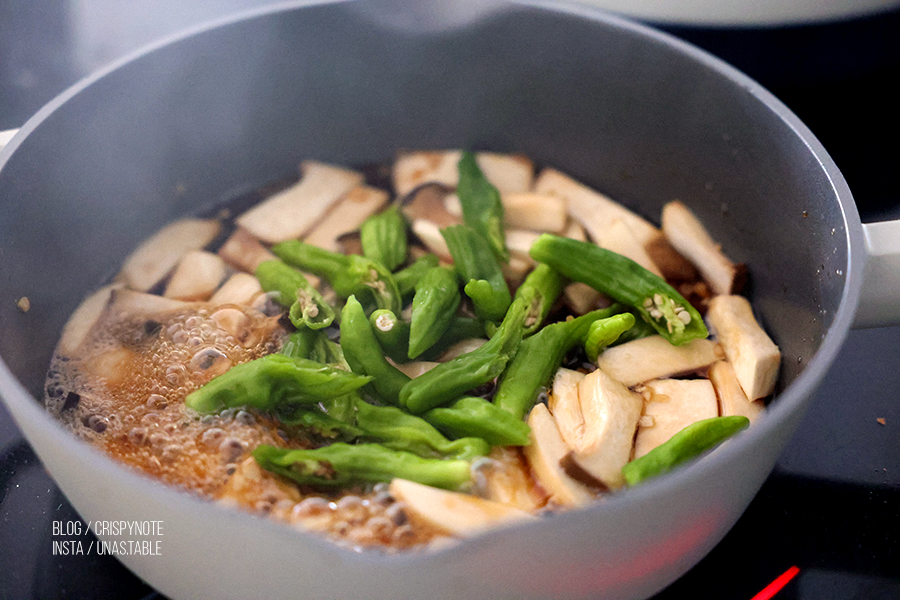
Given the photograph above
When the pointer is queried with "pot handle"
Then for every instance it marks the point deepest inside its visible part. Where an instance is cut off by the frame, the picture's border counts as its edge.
(879, 303)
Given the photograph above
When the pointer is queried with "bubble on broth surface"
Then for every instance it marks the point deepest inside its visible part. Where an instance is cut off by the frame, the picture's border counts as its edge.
(125, 393)
(137, 371)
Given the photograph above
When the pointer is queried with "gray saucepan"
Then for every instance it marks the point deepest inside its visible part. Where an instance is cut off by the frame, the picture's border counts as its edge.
(193, 121)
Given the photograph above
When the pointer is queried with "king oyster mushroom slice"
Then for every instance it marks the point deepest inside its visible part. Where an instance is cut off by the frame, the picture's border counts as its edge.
(751, 352)
(244, 252)
(574, 230)
(670, 405)
(460, 515)
(653, 357)
(595, 211)
(196, 276)
(157, 255)
(544, 455)
(347, 215)
(690, 238)
(732, 399)
(429, 202)
(582, 298)
(536, 212)
(415, 368)
(519, 241)
(516, 269)
(508, 172)
(129, 303)
(525, 210)
(83, 319)
(503, 477)
(430, 235)
(619, 238)
(565, 407)
(611, 413)
(240, 288)
(292, 213)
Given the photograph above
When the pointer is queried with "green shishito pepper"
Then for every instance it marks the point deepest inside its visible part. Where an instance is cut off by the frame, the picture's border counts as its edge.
(538, 359)
(625, 281)
(331, 419)
(540, 290)
(452, 379)
(392, 334)
(406, 279)
(348, 274)
(314, 345)
(364, 354)
(307, 307)
(433, 308)
(474, 416)
(479, 270)
(399, 430)
(640, 329)
(690, 442)
(481, 205)
(271, 381)
(383, 238)
(340, 465)
(604, 332)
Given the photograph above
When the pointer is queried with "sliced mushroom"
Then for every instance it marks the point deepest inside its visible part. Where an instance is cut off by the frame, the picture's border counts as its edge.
(461, 347)
(83, 319)
(415, 368)
(508, 172)
(158, 255)
(582, 298)
(516, 269)
(244, 252)
(519, 241)
(592, 209)
(537, 212)
(412, 169)
(292, 213)
(347, 215)
(611, 413)
(732, 399)
(349, 243)
(670, 405)
(619, 238)
(249, 483)
(565, 407)
(240, 288)
(751, 352)
(114, 366)
(574, 230)
(124, 303)
(430, 235)
(460, 515)
(196, 277)
(654, 357)
(429, 202)
(674, 267)
(688, 236)
(544, 454)
(505, 478)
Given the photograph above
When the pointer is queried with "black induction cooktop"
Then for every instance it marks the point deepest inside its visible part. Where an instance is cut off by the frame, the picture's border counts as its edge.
(828, 516)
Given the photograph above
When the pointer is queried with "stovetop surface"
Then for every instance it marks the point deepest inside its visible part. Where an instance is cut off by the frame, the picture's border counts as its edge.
(832, 505)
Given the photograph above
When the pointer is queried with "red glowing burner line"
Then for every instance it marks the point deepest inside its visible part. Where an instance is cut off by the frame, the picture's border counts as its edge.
(773, 588)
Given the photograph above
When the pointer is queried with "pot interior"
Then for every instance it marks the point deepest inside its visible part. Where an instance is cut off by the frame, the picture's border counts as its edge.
(183, 128)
